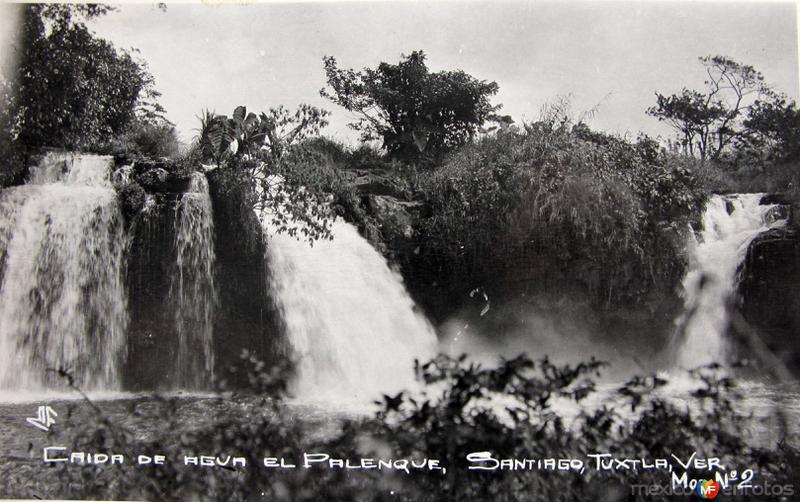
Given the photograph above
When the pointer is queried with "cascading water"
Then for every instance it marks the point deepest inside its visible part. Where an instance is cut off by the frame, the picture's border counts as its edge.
(192, 289)
(730, 223)
(353, 328)
(62, 297)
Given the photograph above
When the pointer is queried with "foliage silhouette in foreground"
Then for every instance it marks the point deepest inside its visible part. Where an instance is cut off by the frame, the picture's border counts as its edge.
(509, 410)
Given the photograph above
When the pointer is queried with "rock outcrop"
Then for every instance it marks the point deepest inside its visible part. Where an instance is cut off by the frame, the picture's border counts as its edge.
(244, 317)
(769, 286)
(148, 191)
(383, 209)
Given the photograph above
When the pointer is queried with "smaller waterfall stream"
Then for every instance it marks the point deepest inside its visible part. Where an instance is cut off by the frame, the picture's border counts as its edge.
(62, 299)
(730, 223)
(351, 324)
(192, 289)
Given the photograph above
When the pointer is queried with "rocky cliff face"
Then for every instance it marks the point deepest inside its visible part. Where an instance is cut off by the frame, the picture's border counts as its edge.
(244, 317)
(148, 194)
(770, 286)
(383, 209)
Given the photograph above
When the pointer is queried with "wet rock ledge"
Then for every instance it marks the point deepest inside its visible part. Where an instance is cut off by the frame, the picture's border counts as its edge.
(769, 284)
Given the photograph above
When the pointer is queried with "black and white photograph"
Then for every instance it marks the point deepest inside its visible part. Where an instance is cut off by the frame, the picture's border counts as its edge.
(444, 250)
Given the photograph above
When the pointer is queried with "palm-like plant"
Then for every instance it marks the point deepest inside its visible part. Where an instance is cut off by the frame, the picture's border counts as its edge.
(215, 137)
(248, 135)
(264, 152)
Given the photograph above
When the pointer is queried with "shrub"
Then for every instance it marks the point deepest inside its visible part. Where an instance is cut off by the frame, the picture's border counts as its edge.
(147, 139)
(555, 201)
(12, 152)
(509, 410)
(268, 158)
(132, 198)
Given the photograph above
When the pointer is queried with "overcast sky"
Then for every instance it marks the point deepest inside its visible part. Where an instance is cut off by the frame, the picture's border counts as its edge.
(615, 55)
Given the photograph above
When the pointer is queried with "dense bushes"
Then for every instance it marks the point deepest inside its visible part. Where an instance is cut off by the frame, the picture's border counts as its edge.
(466, 417)
(12, 154)
(516, 410)
(268, 158)
(153, 140)
(75, 90)
(132, 198)
(344, 157)
(555, 204)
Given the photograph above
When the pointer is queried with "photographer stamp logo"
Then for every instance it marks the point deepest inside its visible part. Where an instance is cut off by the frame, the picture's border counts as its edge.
(44, 418)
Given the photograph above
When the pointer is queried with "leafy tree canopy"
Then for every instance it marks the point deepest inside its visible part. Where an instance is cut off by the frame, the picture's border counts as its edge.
(773, 130)
(709, 122)
(73, 89)
(414, 111)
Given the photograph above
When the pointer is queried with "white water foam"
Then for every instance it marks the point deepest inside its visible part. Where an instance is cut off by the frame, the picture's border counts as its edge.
(192, 288)
(353, 328)
(711, 279)
(63, 302)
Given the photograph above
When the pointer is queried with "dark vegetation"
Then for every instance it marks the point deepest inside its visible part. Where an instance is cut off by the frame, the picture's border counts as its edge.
(265, 157)
(744, 132)
(462, 199)
(73, 90)
(456, 417)
(554, 206)
(417, 114)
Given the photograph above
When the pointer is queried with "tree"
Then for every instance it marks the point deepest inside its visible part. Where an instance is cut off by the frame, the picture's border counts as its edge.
(265, 155)
(709, 122)
(152, 139)
(72, 89)
(413, 110)
(773, 130)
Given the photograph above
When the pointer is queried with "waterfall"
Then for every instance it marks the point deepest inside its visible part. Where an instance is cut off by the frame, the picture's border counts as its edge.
(352, 326)
(192, 290)
(730, 223)
(62, 298)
